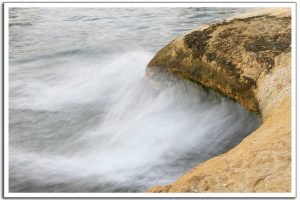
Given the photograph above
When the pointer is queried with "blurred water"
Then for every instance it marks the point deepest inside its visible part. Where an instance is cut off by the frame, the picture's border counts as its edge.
(82, 117)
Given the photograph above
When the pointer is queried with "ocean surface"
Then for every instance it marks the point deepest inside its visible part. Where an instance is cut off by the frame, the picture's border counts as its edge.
(82, 116)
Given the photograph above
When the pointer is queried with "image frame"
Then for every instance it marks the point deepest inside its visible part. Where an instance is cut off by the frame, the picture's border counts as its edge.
(5, 98)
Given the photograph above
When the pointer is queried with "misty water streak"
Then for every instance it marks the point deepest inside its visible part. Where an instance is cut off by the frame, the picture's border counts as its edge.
(82, 116)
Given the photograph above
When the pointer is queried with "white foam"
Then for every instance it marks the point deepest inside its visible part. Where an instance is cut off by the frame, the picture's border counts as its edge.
(143, 137)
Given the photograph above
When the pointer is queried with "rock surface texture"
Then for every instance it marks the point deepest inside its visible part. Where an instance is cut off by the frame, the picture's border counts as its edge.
(247, 58)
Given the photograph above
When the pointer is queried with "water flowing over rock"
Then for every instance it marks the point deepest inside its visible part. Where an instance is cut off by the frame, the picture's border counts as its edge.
(82, 118)
(247, 58)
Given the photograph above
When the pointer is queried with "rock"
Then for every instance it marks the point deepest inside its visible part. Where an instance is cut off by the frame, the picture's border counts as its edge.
(247, 58)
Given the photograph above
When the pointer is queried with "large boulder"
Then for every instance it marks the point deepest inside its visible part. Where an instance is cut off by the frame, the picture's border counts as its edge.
(247, 58)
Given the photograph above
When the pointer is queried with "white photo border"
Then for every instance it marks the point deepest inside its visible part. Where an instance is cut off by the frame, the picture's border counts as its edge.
(257, 4)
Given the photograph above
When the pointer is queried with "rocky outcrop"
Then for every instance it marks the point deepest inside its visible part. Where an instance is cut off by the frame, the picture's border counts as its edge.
(247, 58)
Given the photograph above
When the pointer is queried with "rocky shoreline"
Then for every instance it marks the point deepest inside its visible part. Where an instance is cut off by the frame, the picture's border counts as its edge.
(247, 58)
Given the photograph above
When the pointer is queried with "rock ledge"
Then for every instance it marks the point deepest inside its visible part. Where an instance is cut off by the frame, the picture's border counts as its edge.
(247, 58)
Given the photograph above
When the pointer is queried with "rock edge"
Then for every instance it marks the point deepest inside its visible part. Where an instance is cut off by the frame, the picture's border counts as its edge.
(247, 58)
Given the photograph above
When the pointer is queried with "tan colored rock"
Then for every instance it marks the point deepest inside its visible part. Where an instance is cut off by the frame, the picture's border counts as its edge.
(248, 59)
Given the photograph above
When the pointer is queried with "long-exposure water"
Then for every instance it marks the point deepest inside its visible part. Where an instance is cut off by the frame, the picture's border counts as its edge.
(82, 116)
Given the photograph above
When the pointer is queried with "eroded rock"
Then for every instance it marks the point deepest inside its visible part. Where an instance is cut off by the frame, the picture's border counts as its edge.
(229, 56)
(247, 58)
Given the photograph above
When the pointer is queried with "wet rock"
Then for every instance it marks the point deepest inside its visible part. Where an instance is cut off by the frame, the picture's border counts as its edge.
(247, 58)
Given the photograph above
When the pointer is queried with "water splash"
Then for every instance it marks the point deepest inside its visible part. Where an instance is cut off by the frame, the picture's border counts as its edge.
(97, 126)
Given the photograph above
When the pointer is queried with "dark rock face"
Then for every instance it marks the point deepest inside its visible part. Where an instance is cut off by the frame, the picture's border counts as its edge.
(198, 40)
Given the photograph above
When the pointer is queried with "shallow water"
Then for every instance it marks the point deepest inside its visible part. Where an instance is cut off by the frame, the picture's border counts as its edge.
(82, 117)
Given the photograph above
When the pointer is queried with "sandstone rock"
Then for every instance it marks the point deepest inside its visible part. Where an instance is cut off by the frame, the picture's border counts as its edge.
(247, 58)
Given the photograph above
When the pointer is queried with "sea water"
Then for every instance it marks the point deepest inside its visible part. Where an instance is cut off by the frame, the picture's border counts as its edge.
(82, 116)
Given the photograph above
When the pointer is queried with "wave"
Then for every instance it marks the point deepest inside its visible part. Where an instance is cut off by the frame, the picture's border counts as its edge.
(95, 125)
